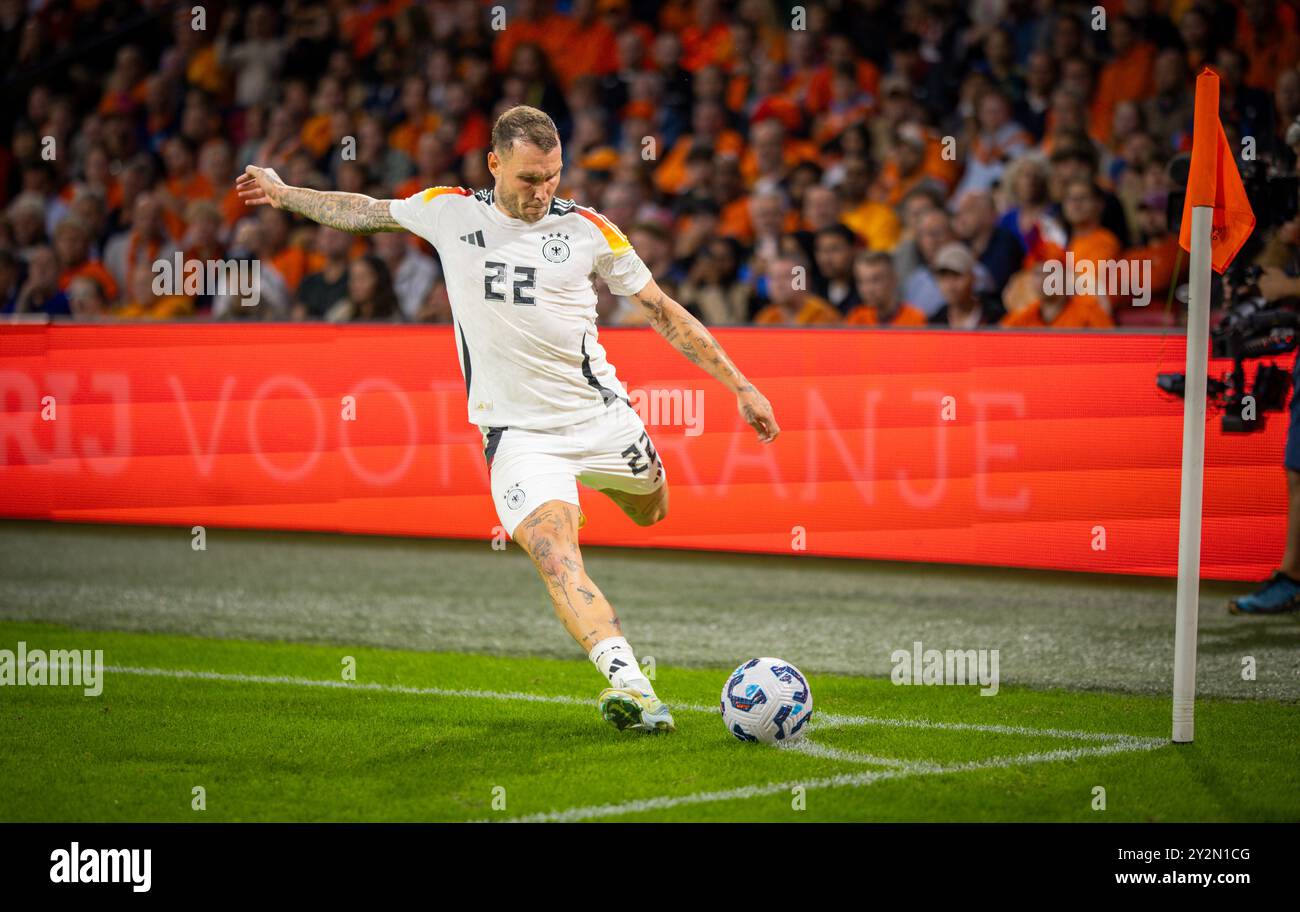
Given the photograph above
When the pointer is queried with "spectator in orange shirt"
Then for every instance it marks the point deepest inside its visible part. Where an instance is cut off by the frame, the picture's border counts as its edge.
(877, 285)
(764, 162)
(143, 304)
(1059, 311)
(145, 240)
(463, 120)
(1160, 246)
(708, 130)
(1269, 35)
(196, 55)
(182, 183)
(728, 189)
(1126, 77)
(202, 240)
(587, 47)
(216, 164)
(906, 166)
(848, 105)
(1073, 163)
(417, 118)
(874, 222)
(791, 304)
(530, 22)
(707, 40)
(72, 245)
(771, 155)
(616, 16)
(125, 87)
(433, 158)
(317, 133)
(291, 261)
(839, 52)
(1089, 241)
(97, 175)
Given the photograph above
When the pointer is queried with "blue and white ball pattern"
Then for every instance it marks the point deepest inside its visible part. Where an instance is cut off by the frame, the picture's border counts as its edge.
(766, 700)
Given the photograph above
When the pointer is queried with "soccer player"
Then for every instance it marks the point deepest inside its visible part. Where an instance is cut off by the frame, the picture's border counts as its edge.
(548, 404)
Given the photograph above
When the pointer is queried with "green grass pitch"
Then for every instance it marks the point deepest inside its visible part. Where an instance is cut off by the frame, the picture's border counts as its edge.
(225, 672)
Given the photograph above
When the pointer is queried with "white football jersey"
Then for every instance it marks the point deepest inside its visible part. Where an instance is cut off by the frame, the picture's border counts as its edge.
(523, 304)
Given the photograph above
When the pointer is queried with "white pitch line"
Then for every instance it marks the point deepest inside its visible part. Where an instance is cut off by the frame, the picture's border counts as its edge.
(1122, 744)
(346, 685)
(820, 720)
(835, 721)
(844, 780)
(825, 752)
(896, 769)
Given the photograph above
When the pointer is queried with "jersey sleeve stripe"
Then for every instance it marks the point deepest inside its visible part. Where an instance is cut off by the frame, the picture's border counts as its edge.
(439, 191)
(617, 241)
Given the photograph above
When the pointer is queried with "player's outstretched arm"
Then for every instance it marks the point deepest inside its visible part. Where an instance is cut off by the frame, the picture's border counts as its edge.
(688, 335)
(352, 212)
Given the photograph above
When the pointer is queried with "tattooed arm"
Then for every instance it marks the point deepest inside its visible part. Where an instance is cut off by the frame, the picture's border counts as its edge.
(351, 212)
(688, 336)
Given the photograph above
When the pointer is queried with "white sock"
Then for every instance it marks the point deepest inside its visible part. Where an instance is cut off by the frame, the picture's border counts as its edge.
(616, 661)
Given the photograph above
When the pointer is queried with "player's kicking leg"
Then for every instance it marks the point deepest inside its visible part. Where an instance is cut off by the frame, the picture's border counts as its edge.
(642, 509)
(550, 536)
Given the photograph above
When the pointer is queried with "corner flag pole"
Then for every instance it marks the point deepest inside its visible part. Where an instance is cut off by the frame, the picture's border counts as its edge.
(1189, 513)
(1217, 220)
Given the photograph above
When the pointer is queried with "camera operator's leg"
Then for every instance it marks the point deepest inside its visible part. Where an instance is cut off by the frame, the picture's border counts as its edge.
(1282, 591)
(1291, 557)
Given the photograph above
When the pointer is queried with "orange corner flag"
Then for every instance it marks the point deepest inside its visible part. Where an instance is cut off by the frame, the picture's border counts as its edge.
(1214, 180)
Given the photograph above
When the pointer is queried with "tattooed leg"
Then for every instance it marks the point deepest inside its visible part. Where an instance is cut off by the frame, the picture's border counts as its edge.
(642, 509)
(550, 536)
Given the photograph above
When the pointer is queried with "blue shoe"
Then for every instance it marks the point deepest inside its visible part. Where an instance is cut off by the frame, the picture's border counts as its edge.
(1279, 595)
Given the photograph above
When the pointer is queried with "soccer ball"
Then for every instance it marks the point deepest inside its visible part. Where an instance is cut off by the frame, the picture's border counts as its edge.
(766, 700)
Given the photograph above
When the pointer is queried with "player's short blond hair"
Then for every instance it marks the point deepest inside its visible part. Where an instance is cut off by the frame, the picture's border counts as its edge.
(523, 123)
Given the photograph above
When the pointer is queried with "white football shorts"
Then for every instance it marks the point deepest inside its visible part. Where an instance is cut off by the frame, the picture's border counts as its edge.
(530, 467)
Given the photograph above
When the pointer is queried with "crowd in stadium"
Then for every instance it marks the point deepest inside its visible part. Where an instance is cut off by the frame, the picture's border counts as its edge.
(912, 162)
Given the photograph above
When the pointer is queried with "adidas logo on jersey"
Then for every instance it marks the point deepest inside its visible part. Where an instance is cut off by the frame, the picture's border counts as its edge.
(474, 239)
